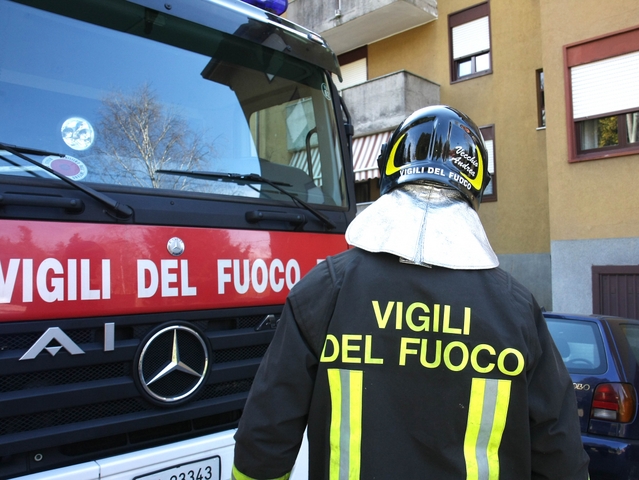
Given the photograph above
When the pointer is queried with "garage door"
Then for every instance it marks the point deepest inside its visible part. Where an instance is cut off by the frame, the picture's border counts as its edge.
(615, 290)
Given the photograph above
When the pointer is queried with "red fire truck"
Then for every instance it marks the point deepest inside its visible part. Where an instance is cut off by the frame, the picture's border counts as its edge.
(168, 171)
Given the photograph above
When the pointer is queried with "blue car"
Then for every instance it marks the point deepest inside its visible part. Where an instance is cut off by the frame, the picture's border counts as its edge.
(601, 354)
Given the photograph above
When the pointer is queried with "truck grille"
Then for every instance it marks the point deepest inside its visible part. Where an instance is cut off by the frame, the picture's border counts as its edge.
(26, 381)
(63, 409)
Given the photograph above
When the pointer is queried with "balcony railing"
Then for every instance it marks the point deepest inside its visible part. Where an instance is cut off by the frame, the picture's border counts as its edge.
(349, 24)
(383, 103)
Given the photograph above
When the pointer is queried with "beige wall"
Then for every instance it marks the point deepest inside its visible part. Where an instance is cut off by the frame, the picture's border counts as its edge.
(518, 221)
(594, 199)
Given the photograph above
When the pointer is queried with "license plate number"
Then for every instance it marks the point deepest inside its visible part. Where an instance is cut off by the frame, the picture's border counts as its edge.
(208, 469)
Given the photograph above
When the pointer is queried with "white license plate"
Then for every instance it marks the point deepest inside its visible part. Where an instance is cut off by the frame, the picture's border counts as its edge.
(208, 469)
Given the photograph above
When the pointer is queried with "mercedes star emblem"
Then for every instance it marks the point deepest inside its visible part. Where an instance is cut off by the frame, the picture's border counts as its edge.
(173, 363)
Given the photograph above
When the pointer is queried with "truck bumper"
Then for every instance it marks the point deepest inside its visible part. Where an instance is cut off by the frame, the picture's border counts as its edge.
(158, 459)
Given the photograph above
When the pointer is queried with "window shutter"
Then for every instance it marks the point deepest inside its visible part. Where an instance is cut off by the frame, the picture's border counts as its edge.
(605, 86)
(491, 164)
(471, 38)
(491, 155)
(353, 73)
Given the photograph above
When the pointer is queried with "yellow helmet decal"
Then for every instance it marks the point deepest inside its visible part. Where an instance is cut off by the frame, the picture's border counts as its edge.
(479, 179)
(390, 165)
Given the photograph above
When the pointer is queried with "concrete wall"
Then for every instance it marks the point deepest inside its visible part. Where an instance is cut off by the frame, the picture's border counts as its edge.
(325, 15)
(348, 24)
(593, 214)
(552, 219)
(533, 270)
(593, 199)
(517, 224)
(572, 262)
(384, 102)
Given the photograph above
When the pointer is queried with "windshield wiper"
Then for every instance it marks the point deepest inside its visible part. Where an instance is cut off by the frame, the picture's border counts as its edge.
(123, 211)
(252, 178)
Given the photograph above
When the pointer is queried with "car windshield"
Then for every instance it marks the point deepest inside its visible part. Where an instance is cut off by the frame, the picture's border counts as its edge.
(580, 345)
(127, 92)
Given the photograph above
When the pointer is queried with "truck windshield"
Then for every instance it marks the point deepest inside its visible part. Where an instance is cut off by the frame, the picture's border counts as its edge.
(124, 92)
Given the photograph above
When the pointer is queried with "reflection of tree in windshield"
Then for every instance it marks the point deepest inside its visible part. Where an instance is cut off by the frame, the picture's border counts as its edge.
(139, 135)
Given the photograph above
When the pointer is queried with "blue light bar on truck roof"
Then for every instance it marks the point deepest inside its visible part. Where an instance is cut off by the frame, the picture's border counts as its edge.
(278, 7)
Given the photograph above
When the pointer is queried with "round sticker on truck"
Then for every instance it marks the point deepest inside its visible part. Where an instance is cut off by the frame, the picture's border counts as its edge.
(68, 166)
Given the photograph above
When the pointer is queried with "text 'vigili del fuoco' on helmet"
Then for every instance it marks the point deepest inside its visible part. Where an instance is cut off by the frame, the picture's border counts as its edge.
(436, 144)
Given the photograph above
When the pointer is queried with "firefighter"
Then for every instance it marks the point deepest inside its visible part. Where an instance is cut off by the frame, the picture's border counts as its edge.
(412, 355)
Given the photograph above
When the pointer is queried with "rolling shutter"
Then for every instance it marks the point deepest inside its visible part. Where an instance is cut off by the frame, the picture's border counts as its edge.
(471, 38)
(353, 73)
(616, 290)
(490, 147)
(605, 86)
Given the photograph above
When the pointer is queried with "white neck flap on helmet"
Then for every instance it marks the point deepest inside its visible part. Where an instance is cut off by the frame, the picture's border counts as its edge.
(424, 224)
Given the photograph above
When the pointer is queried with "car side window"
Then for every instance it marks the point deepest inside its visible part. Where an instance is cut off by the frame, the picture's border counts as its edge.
(580, 345)
(632, 334)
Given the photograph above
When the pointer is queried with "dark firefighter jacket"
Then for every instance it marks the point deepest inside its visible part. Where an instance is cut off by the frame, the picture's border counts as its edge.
(407, 372)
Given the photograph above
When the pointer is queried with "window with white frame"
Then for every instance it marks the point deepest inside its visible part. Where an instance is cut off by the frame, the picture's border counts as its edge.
(469, 33)
(603, 100)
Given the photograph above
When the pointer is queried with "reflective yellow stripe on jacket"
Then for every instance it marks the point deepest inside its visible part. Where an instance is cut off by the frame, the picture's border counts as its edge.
(489, 399)
(237, 475)
(346, 388)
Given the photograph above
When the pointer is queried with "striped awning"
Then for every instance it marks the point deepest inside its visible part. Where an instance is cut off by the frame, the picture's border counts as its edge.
(365, 152)
(300, 160)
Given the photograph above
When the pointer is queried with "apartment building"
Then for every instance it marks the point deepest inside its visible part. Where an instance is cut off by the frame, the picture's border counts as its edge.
(553, 86)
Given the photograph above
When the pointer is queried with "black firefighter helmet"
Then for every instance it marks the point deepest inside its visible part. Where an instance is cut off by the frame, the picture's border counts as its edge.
(436, 144)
